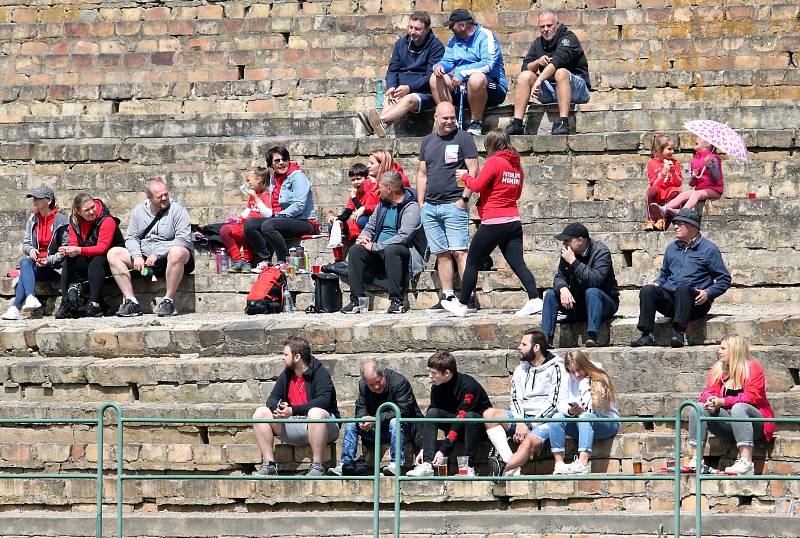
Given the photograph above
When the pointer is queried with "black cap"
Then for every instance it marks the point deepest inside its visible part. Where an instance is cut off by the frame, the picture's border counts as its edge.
(689, 216)
(575, 229)
(458, 15)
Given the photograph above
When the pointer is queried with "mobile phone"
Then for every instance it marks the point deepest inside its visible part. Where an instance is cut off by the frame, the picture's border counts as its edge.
(280, 405)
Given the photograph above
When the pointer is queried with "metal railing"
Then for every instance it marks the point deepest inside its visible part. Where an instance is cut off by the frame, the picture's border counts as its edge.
(122, 477)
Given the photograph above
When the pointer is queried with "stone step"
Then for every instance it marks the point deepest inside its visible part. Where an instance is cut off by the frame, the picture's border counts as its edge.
(193, 379)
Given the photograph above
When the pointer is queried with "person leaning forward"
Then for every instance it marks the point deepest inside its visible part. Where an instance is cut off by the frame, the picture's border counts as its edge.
(554, 70)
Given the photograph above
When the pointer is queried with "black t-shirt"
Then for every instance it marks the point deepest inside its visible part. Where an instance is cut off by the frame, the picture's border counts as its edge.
(443, 155)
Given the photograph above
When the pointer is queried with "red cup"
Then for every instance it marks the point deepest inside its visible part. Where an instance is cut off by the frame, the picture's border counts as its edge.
(315, 269)
(751, 195)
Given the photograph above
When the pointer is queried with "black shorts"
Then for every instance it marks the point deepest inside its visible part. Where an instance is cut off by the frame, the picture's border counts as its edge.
(160, 267)
(495, 96)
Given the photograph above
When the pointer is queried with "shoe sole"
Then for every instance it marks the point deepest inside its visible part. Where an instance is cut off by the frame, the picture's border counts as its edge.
(365, 122)
(129, 315)
(374, 119)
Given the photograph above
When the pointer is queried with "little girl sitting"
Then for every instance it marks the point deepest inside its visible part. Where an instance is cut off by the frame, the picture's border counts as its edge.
(256, 188)
(706, 179)
(665, 177)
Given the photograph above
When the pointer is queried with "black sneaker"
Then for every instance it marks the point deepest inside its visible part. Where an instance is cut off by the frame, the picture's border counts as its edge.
(496, 464)
(364, 119)
(93, 311)
(678, 339)
(515, 128)
(73, 301)
(61, 313)
(166, 308)
(396, 307)
(561, 127)
(129, 309)
(240, 266)
(475, 128)
(591, 340)
(644, 340)
(438, 306)
(352, 307)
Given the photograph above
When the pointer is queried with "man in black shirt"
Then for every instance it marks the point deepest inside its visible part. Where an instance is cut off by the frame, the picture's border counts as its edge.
(554, 70)
(453, 396)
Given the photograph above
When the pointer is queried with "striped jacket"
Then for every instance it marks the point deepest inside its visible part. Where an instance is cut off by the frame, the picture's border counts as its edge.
(539, 391)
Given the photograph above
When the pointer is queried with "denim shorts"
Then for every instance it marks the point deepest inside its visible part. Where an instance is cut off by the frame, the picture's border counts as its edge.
(446, 227)
(542, 431)
(580, 92)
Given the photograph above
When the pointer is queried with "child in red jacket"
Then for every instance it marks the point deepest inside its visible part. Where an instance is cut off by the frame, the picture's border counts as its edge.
(665, 177)
(256, 188)
(707, 179)
(362, 202)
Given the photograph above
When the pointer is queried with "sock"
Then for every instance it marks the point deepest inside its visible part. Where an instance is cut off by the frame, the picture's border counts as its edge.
(563, 119)
(497, 435)
(132, 299)
(448, 293)
(167, 298)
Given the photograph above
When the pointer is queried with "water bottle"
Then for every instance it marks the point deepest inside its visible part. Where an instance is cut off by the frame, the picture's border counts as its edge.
(379, 95)
(218, 260)
(288, 304)
(300, 256)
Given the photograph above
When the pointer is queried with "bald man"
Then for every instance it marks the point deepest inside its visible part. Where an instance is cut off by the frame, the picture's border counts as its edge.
(443, 203)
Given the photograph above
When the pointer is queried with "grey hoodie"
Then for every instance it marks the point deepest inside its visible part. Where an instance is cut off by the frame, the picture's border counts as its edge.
(173, 229)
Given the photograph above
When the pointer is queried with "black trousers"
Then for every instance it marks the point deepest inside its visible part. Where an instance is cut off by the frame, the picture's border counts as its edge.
(266, 236)
(388, 267)
(93, 268)
(469, 432)
(508, 237)
(679, 306)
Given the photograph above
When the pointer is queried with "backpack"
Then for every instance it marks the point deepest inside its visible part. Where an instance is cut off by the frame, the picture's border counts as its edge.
(267, 293)
(327, 294)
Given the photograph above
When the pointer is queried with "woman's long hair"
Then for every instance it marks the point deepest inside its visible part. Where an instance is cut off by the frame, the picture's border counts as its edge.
(497, 140)
(736, 371)
(385, 160)
(80, 199)
(603, 393)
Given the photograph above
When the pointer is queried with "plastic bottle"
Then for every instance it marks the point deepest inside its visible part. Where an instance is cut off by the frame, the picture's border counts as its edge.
(379, 95)
(288, 303)
(225, 262)
(145, 271)
(300, 256)
(218, 260)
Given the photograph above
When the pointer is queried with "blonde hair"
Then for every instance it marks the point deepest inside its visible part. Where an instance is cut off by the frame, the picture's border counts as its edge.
(660, 141)
(603, 393)
(385, 160)
(736, 370)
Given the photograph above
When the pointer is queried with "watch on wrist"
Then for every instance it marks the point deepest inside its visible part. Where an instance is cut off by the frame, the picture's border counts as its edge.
(465, 199)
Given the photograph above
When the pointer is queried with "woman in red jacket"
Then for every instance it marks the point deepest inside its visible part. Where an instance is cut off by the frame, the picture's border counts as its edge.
(499, 184)
(92, 232)
(735, 388)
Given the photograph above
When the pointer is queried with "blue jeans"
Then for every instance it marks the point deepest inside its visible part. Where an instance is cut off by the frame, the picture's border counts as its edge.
(595, 306)
(584, 432)
(29, 275)
(352, 432)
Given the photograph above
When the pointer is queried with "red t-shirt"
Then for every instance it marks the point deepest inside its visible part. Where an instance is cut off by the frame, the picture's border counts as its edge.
(297, 391)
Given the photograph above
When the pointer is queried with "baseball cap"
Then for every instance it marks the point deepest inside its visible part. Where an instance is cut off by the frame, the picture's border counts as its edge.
(687, 215)
(458, 15)
(42, 191)
(575, 229)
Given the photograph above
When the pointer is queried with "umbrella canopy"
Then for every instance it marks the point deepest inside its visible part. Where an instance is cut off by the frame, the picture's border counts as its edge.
(720, 136)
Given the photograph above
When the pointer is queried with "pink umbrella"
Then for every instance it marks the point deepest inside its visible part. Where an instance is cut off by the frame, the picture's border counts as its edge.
(719, 135)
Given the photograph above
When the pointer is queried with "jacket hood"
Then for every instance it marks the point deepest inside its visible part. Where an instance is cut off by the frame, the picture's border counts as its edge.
(293, 167)
(425, 41)
(550, 45)
(550, 359)
(313, 366)
(511, 156)
(102, 210)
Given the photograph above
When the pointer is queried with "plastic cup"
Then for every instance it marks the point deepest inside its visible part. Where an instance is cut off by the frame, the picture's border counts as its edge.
(669, 461)
(463, 465)
(441, 469)
(751, 195)
(315, 269)
(363, 304)
(460, 182)
(638, 465)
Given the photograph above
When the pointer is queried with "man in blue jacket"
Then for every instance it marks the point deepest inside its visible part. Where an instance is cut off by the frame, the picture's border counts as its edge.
(692, 276)
(472, 61)
(410, 68)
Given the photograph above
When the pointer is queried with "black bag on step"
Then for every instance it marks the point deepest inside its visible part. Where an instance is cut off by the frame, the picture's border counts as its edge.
(327, 293)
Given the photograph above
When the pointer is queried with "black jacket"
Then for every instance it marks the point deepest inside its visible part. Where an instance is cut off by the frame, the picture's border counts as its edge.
(460, 395)
(593, 269)
(319, 390)
(398, 390)
(564, 50)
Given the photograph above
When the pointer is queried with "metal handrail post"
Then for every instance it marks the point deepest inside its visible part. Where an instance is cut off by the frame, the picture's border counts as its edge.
(377, 477)
(678, 412)
(100, 460)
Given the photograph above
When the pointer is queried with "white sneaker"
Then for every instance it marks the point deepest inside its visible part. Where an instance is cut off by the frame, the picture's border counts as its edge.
(259, 268)
(514, 472)
(454, 306)
(576, 467)
(741, 467)
(12, 313)
(533, 306)
(561, 468)
(423, 469)
(336, 471)
(692, 464)
(31, 303)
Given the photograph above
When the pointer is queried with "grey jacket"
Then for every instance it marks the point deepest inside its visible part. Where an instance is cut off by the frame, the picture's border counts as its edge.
(409, 230)
(60, 238)
(172, 230)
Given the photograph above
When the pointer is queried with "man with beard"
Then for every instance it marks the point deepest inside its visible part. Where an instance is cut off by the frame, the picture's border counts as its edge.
(407, 78)
(554, 70)
(538, 386)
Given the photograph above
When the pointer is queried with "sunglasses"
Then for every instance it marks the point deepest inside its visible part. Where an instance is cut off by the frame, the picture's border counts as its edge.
(278, 160)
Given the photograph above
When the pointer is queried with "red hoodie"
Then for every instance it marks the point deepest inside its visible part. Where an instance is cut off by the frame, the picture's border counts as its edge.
(499, 184)
(665, 183)
(397, 167)
(368, 197)
(104, 236)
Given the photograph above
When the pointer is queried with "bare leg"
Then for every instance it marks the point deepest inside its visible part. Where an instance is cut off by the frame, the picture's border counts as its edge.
(317, 434)
(583, 457)
(563, 92)
(444, 266)
(746, 452)
(440, 89)
(265, 434)
(522, 94)
(176, 259)
(477, 94)
(119, 260)
(527, 449)
(461, 261)
(407, 104)
(494, 412)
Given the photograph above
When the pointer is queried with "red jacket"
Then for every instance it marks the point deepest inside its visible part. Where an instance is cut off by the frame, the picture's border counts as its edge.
(105, 234)
(369, 197)
(666, 184)
(754, 393)
(397, 167)
(499, 184)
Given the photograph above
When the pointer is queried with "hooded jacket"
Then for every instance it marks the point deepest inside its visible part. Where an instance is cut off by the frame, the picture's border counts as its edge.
(479, 53)
(539, 391)
(96, 237)
(592, 269)
(697, 264)
(499, 184)
(320, 391)
(294, 194)
(60, 237)
(581, 393)
(398, 391)
(564, 50)
(409, 229)
(411, 65)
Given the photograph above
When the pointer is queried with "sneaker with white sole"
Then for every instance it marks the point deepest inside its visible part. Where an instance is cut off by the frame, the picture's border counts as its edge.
(561, 468)
(741, 467)
(533, 306)
(12, 313)
(576, 467)
(31, 303)
(455, 307)
(336, 471)
(260, 267)
(390, 470)
(378, 126)
(423, 469)
(692, 464)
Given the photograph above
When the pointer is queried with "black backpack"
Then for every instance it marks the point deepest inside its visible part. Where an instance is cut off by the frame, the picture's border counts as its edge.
(327, 294)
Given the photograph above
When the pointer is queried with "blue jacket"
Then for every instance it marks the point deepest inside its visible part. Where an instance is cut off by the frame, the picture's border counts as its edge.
(698, 265)
(480, 53)
(296, 199)
(412, 65)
